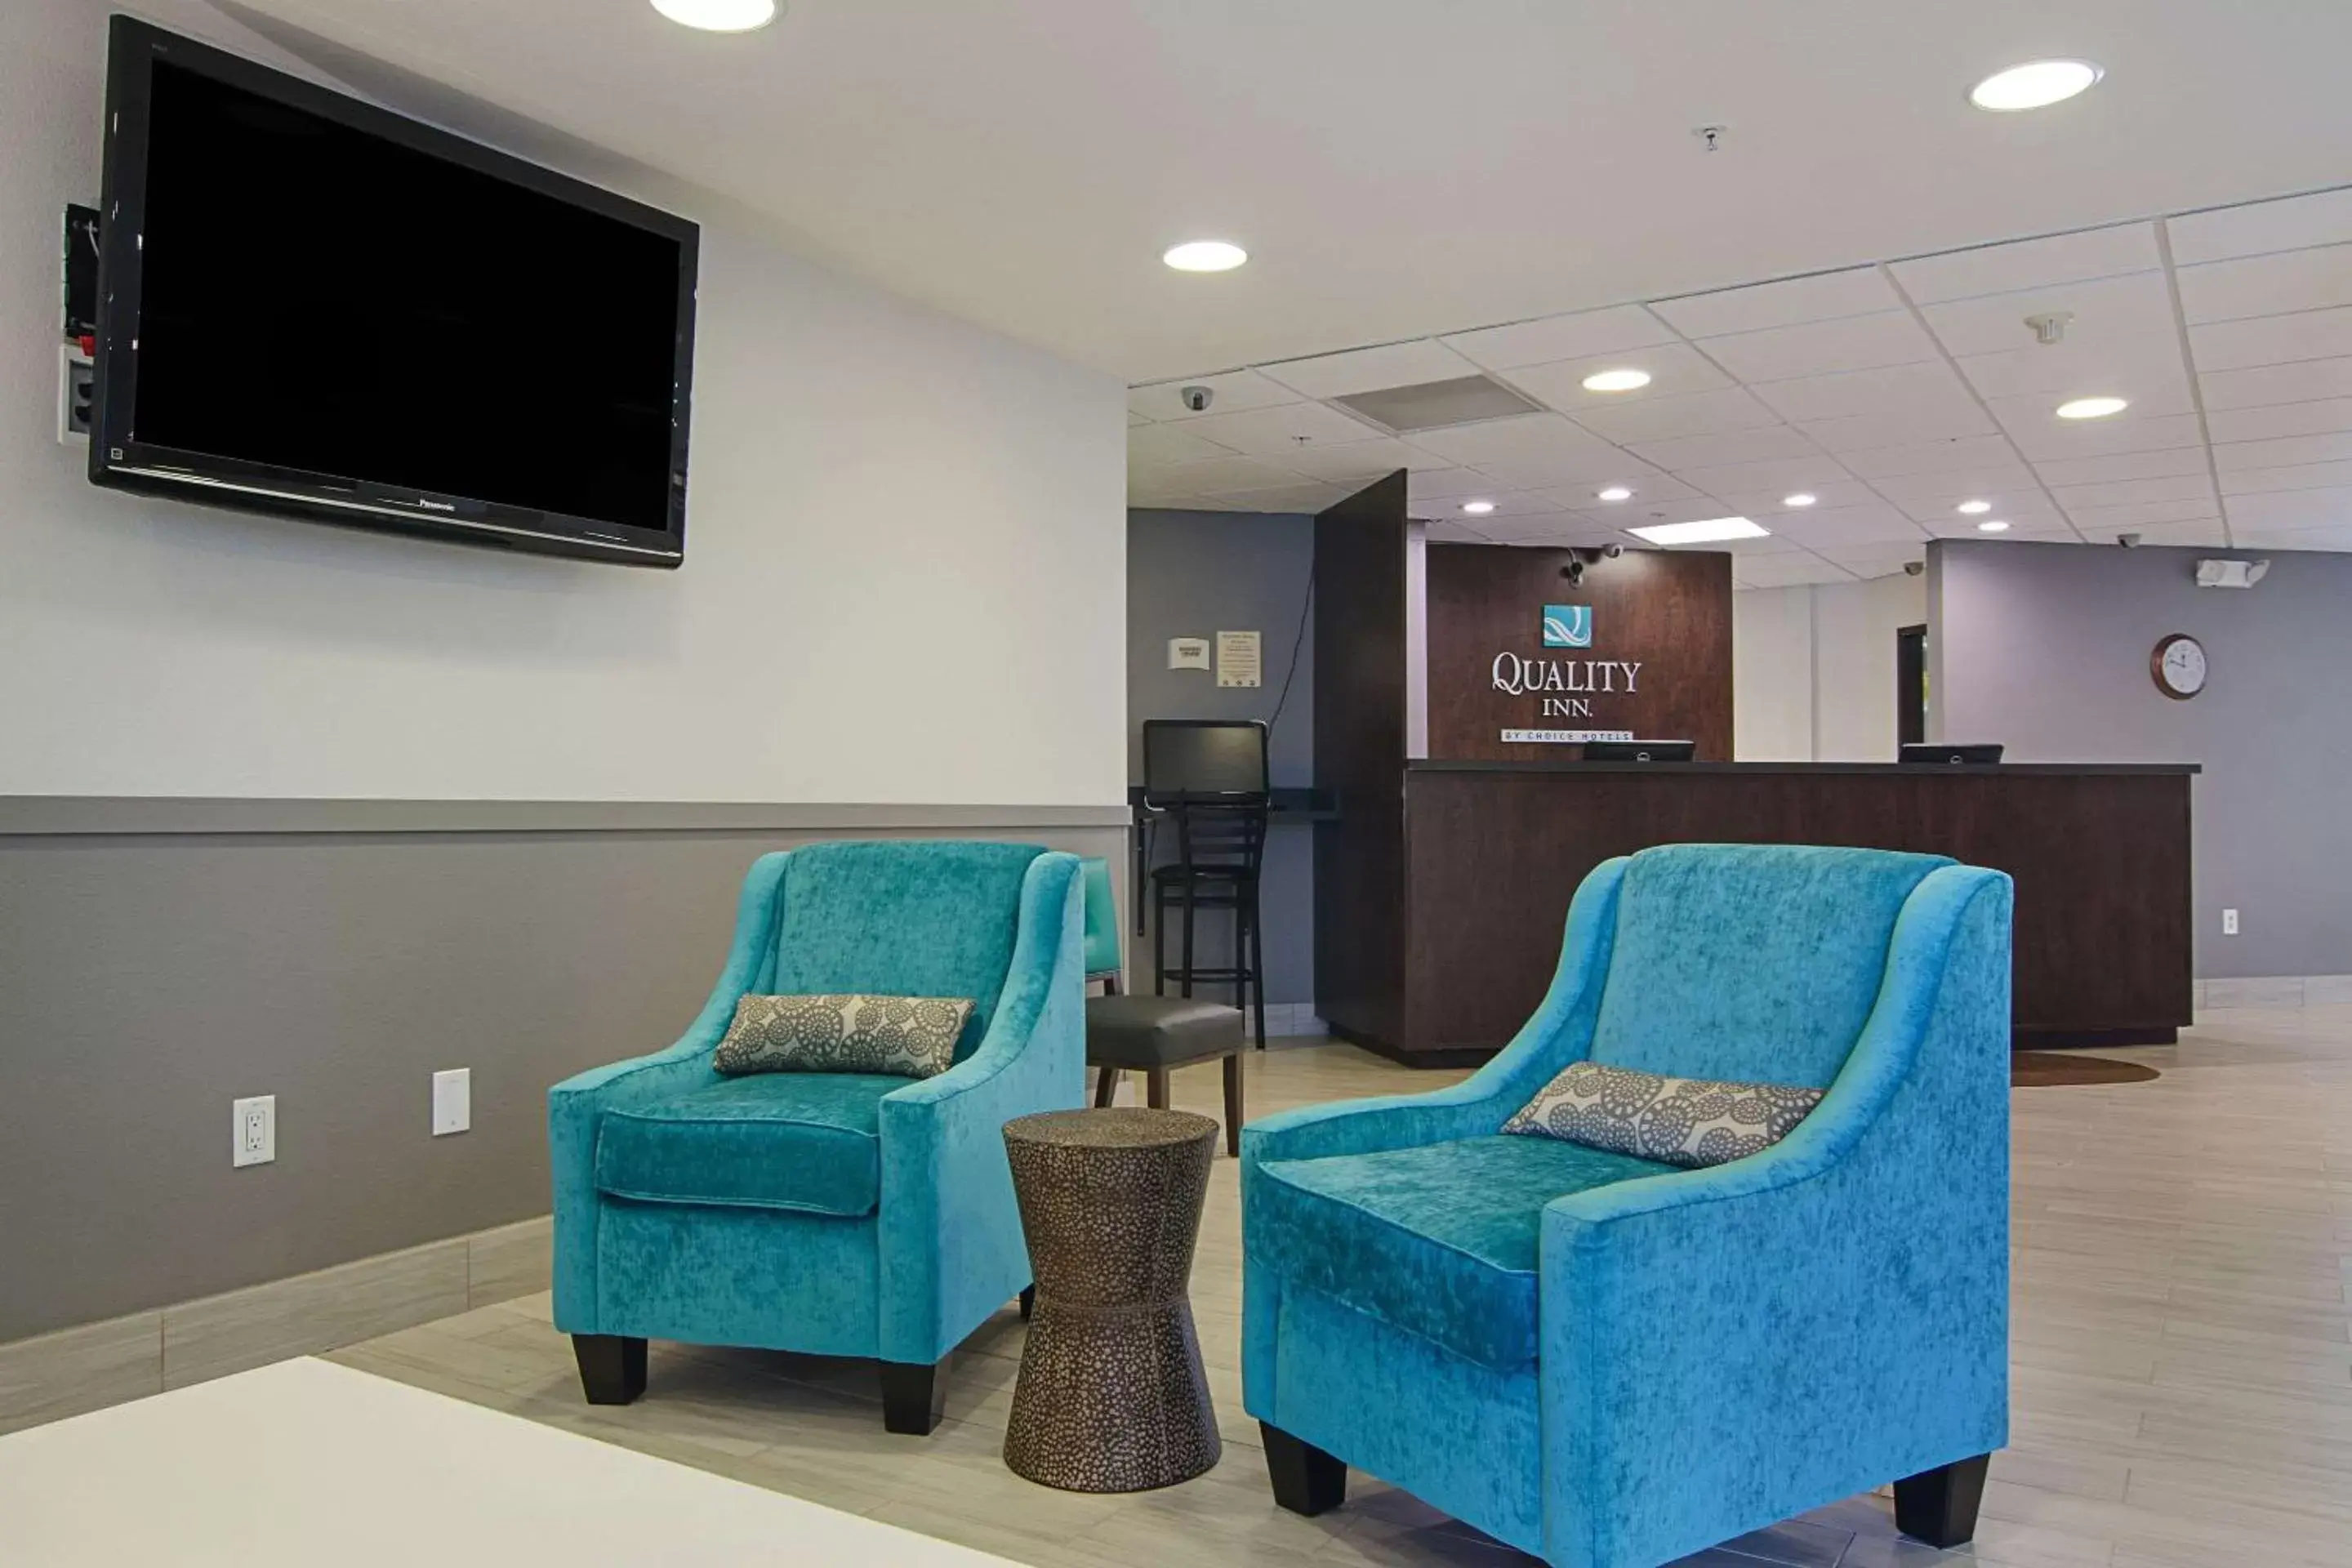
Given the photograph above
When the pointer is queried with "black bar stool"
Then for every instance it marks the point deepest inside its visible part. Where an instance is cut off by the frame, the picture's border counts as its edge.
(1208, 777)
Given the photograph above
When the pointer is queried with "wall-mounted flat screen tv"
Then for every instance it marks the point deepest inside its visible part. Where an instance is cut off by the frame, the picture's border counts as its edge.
(313, 307)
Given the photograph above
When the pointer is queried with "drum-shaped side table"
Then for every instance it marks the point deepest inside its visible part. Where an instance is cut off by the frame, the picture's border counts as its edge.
(1111, 1396)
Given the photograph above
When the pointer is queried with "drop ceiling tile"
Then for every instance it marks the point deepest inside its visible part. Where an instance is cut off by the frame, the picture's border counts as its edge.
(1787, 570)
(2205, 530)
(1369, 370)
(1444, 530)
(1593, 469)
(1648, 489)
(1287, 498)
(1856, 525)
(1929, 388)
(1827, 497)
(2042, 440)
(1551, 339)
(1133, 419)
(2161, 465)
(2198, 488)
(2305, 382)
(2267, 285)
(2290, 509)
(2151, 397)
(1726, 447)
(1949, 487)
(1361, 460)
(1515, 503)
(1220, 476)
(1674, 369)
(2031, 263)
(1822, 348)
(1521, 436)
(2267, 422)
(1163, 444)
(1665, 418)
(2105, 310)
(1868, 561)
(2058, 370)
(1447, 484)
(2300, 538)
(1899, 427)
(1639, 513)
(2291, 223)
(1777, 475)
(1234, 389)
(1857, 291)
(1554, 528)
(2048, 530)
(1943, 455)
(2273, 340)
(2023, 513)
(2237, 457)
(2296, 477)
(2102, 523)
(1276, 434)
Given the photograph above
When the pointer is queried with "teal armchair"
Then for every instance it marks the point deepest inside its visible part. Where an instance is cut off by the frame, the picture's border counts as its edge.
(832, 1214)
(1611, 1363)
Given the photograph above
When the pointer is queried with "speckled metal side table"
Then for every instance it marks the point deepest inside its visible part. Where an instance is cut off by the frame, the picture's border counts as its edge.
(1111, 1396)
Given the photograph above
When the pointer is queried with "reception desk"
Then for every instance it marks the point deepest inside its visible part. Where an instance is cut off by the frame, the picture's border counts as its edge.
(1440, 903)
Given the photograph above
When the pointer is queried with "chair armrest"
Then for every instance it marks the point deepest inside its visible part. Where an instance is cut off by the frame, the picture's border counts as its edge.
(1833, 1308)
(1558, 1032)
(575, 1107)
(949, 1229)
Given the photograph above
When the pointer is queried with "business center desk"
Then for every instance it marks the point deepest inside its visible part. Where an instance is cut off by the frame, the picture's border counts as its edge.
(1439, 910)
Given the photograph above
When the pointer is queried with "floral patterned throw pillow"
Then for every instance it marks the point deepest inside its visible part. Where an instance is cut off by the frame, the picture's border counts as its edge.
(1689, 1122)
(911, 1037)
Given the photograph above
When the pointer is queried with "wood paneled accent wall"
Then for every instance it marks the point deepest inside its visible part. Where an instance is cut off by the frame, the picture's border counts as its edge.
(1667, 612)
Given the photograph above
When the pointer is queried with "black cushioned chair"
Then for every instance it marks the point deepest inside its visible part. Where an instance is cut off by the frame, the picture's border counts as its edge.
(1151, 1035)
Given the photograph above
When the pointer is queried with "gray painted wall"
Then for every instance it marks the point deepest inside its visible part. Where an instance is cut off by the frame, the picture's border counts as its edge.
(147, 979)
(1195, 574)
(2045, 647)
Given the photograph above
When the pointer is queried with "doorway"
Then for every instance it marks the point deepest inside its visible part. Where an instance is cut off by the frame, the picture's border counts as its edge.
(1910, 685)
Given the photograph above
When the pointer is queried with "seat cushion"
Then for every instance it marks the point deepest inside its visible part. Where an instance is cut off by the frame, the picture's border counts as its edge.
(1159, 1031)
(1441, 1240)
(809, 1142)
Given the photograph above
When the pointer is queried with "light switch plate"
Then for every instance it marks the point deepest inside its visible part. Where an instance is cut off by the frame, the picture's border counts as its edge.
(453, 1101)
(253, 1134)
(2229, 922)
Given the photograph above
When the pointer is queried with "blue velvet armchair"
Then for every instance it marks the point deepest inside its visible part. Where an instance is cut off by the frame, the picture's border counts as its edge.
(1611, 1363)
(833, 1214)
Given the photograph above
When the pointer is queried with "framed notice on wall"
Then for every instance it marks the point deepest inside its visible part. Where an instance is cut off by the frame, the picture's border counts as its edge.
(1239, 660)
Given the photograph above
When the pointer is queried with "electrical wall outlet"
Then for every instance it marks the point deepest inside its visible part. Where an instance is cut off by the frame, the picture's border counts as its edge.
(453, 1101)
(2229, 922)
(76, 393)
(254, 1131)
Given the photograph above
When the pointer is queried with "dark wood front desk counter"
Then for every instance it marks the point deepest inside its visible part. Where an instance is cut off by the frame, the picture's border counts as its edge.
(1439, 910)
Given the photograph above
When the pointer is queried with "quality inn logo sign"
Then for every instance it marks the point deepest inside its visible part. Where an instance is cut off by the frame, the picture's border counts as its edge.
(1568, 625)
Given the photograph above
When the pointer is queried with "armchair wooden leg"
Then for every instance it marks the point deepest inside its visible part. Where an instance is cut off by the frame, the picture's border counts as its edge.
(1155, 1085)
(1939, 1506)
(913, 1397)
(611, 1367)
(1306, 1479)
(1233, 1105)
(1105, 1086)
(1028, 1302)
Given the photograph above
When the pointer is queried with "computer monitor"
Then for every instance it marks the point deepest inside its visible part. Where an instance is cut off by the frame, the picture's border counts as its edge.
(1203, 759)
(1640, 751)
(1949, 756)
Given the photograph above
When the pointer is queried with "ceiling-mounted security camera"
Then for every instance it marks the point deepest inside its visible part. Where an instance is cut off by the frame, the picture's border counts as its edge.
(1574, 572)
(2128, 540)
(1613, 551)
(1914, 568)
(1196, 398)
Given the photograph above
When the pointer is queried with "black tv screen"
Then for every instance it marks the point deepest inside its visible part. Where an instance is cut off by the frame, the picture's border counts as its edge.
(314, 307)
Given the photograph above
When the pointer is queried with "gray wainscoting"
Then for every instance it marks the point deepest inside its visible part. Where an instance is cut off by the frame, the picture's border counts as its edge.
(159, 959)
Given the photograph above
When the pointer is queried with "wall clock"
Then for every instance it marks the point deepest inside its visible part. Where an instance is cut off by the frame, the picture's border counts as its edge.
(2178, 665)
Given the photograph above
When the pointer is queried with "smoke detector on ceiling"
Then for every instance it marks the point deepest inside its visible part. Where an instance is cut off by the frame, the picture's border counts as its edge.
(2049, 326)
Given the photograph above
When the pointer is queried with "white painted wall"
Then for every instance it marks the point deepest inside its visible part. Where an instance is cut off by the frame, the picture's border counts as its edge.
(1814, 669)
(905, 576)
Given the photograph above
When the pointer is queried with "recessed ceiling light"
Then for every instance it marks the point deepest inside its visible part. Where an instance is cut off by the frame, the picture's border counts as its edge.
(1615, 493)
(1702, 532)
(1992, 525)
(1204, 255)
(1616, 380)
(1803, 498)
(2092, 407)
(2036, 84)
(718, 16)
(1479, 508)
(1975, 507)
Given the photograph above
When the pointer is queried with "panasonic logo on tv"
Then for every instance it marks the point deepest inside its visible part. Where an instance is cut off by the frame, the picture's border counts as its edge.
(435, 505)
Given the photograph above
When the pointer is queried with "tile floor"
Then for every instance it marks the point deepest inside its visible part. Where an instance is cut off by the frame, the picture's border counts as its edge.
(2182, 1393)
